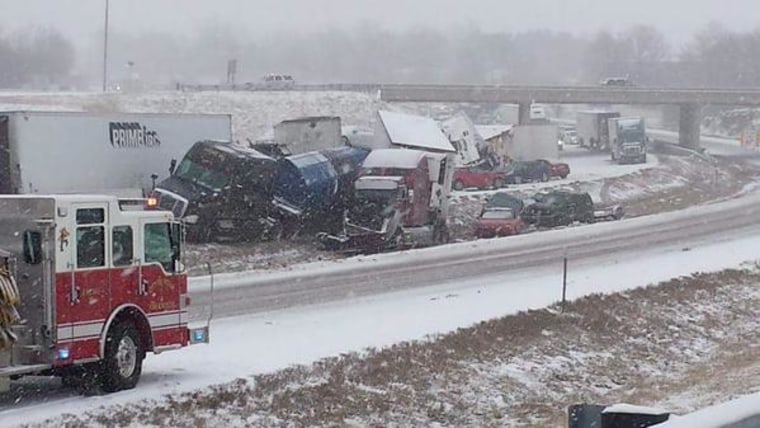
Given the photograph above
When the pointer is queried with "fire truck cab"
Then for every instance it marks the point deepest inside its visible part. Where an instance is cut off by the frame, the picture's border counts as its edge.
(98, 283)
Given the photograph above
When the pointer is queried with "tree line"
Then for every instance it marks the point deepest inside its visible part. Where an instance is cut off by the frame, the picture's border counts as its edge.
(35, 57)
(714, 57)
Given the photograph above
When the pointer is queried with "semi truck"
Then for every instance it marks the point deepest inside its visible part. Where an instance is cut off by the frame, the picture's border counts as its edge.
(115, 153)
(221, 190)
(88, 286)
(593, 129)
(628, 139)
(401, 200)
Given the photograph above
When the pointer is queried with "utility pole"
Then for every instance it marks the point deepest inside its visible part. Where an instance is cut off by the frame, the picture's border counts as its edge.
(105, 50)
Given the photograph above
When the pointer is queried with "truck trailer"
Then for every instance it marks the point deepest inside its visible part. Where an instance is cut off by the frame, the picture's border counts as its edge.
(308, 134)
(68, 152)
(311, 190)
(593, 129)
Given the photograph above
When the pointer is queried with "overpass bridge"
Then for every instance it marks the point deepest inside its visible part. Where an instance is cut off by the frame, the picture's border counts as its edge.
(689, 101)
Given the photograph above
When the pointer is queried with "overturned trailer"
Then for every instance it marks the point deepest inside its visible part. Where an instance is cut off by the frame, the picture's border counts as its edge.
(313, 189)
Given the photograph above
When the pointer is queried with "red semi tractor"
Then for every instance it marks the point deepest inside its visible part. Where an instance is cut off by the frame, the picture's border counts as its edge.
(401, 200)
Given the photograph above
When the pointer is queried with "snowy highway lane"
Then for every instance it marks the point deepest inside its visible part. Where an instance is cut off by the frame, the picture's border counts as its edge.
(247, 345)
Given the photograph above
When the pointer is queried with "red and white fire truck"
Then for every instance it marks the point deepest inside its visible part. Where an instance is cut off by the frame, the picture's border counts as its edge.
(88, 286)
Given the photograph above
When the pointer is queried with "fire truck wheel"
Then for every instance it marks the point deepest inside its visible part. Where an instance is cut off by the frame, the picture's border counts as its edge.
(122, 362)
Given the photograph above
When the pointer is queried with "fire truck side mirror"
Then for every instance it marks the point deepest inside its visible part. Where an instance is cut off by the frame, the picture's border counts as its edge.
(32, 247)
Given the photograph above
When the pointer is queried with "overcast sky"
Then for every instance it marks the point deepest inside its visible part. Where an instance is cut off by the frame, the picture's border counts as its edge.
(82, 19)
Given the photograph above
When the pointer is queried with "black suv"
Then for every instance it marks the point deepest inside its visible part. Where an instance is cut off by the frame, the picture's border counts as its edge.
(559, 208)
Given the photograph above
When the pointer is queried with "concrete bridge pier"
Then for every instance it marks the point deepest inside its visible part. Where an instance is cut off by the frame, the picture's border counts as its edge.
(689, 122)
(523, 113)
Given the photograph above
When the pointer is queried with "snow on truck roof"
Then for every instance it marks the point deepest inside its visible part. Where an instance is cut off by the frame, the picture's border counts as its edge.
(630, 408)
(491, 131)
(414, 131)
(393, 158)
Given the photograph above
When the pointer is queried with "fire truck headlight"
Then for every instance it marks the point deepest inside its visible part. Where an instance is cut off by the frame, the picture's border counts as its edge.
(191, 219)
(63, 354)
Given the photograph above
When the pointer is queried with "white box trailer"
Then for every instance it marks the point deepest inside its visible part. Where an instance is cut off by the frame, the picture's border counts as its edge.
(308, 134)
(69, 152)
(531, 142)
(592, 129)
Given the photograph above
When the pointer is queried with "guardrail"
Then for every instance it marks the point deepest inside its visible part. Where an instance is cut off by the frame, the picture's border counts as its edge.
(264, 87)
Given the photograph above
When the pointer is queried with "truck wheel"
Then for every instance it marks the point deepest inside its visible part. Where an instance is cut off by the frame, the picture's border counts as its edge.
(122, 363)
(458, 185)
(498, 183)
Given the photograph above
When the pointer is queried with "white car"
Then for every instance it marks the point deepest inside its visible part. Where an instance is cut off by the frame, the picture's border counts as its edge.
(537, 111)
(279, 81)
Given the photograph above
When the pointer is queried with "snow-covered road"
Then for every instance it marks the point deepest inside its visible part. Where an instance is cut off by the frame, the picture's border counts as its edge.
(247, 345)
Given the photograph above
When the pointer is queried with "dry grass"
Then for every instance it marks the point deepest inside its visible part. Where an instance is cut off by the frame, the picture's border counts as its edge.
(643, 346)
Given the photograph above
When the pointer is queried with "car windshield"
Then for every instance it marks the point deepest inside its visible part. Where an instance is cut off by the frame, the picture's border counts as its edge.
(205, 166)
(498, 214)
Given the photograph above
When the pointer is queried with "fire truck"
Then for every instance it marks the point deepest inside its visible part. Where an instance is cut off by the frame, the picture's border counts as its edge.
(89, 285)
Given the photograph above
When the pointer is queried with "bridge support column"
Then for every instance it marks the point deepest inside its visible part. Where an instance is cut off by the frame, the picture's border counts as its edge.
(689, 122)
(523, 113)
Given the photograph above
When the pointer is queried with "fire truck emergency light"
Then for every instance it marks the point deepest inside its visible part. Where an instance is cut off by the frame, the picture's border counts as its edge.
(152, 202)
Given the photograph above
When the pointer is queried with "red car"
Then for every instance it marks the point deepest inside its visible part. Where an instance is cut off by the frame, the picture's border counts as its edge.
(478, 176)
(558, 169)
(496, 222)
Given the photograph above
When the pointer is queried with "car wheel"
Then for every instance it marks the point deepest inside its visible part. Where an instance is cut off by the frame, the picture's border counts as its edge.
(122, 363)
(458, 185)
(563, 176)
(498, 183)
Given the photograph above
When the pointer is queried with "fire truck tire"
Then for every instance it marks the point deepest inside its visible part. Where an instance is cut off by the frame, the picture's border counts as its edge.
(122, 363)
